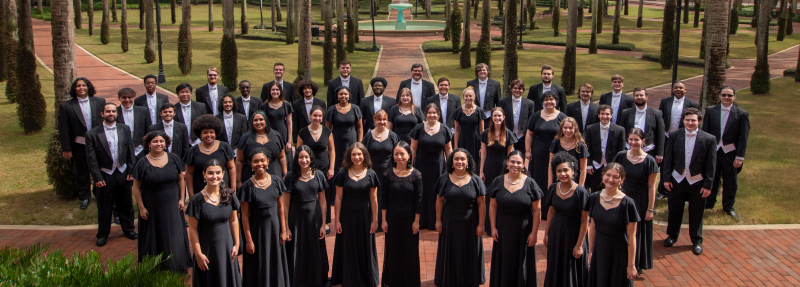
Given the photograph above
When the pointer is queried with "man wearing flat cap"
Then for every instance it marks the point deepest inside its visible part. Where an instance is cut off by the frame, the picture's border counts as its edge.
(374, 103)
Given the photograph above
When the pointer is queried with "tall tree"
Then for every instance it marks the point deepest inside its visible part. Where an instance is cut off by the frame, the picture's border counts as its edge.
(510, 60)
(595, 17)
(185, 39)
(716, 47)
(782, 21)
(141, 16)
(355, 20)
(341, 54)
(327, 46)
(39, 7)
(797, 69)
(31, 107)
(351, 29)
(290, 22)
(475, 4)
(104, 28)
(756, 14)
(734, 23)
(78, 18)
(90, 15)
(278, 10)
(304, 44)
(556, 18)
(243, 20)
(428, 9)
(639, 22)
(12, 42)
(124, 26)
(211, 16)
(274, 15)
(790, 19)
(601, 10)
(3, 51)
(531, 14)
(570, 53)
(615, 36)
(697, 4)
(580, 12)
(484, 53)
(150, 33)
(668, 35)
(465, 60)
(113, 11)
(172, 7)
(447, 25)
(703, 41)
(455, 30)
(759, 81)
(626, 7)
(228, 53)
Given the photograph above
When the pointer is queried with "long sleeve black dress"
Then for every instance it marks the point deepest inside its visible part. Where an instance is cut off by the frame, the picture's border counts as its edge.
(609, 266)
(429, 160)
(563, 269)
(267, 266)
(216, 242)
(635, 186)
(307, 254)
(402, 200)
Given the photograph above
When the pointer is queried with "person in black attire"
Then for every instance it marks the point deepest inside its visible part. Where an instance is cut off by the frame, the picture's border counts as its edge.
(177, 132)
(75, 117)
(377, 102)
(488, 91)
(603, 140)
(689, 181)
(246, 104)
(289, 92)
(135, 117)
(206, 127)
(380, 144)
(279, 112)
(261, 135)
(618, 100)
(431, 144)
(583, 111)
(469, 124)
(344, 121)
(405, 116)
(401, 204)
(187, 111)
(151, 100)
(446, 102)
(109, 155)
(234, 124)
(647, 119)
(671, 109)
(519, 111)
(301, 116)
(419, 87)
(211, 94)
(543, 126)
(354, 85)
(536, 92)
(730, 125)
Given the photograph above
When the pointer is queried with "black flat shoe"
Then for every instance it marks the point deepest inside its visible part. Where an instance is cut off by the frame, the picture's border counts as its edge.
(132, 235)
(733, 214)
(84, 204)
(697, 249)
(669, 241)
(101, 242)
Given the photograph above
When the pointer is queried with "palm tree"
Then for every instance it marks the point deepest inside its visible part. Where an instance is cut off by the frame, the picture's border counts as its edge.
(150, 33)
(734, 23)
(77, 14)
(447, 25)
(141, 16)
(484, 53)
(716, 46)
(327, 46)
(211, 15)
(351, 29)
(274, 15)
(90, 14)
(797, 69)
(341, 54)
(228, 54)
(556, 18)
(595, 17)
(124, 26)
(32, 108)
(601, 10)
(615, 36)
(782, 21)
(172, 7)
(113, 11)
(12, 42)
(568, 74)
(428, 9)
(639, 22)
(686, 9)
(3, 52)
(304, 45)
(580, 12)
(510, 60)
(185, 38)
(759, 81)
(244, 24)
(697, 4)
(668, 35)
(466, 62)
(756, 14)
(789, 25)
(289, 22)
(104, 29)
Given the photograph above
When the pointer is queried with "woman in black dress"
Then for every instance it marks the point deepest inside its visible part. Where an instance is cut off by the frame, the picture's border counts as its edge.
(380, 142)
(460, 210)
(261, 135)
(496, 143)
(319, 139)
(206, 127)
(640, 185)
(305, 197)
(355, 259)
(264, 222)
(542, 129)
(214, 231)
(344, 120)
(612, 232)
(402, 201)
(404, 116)
(279, 112)
(565, 232)
(514, 214)
(157, 186)
(430, 145)
(570, 140)
(469, 125)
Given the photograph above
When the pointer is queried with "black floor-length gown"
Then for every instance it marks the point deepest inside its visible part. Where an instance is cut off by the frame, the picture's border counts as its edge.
(380, 153)
(543, 134)
(322, 161)
(402, 200)
(429, 160)
(275, 146)
(355, 258)
(307, 254)
(163, 232)
(513, 262)
(579, 151)
(469, 137)
(609, 266)
(343, 128)
(459, 256)
(198, 159)
(402, 124)
(635, 186)
(267, 266)
(563, 269)
(495, 162)
(277, 122)
(216, 242)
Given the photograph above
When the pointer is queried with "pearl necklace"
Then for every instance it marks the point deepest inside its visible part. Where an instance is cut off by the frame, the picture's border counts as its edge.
(306, 177)
(340, 106)
(209, 197)
(606, 199)
(569, 147)
(275, 106)
(550, 115)
(203, 145)
(154, 158)
(433, 127)
(261, 186)
(513, 183)
(558, 187)
(358, 176)
(380, 135)
(261, 136)
(460, 177)
(638, 159)
(313, 132)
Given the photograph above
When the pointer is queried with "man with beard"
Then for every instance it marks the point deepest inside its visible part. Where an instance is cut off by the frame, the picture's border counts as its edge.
(246, 104)
(583, 111)
(421, 89)
(175, 130)
(151, 100)
(487, 91)
(234, 124)
(648, 120)
(187, 110)
(618, 100)
(210, 94)
(289, 93)
(372, 104)
(536, 91)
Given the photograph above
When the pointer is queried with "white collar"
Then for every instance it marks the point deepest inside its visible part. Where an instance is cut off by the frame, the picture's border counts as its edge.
(605, 127)
(113, 125)
(691, 133)
(378, 97)
(616, 94)
(151, 95)
(724, 107)
(415, 81)
(586, 104)
(84, 100)
(126, 110)
(309, 101)
(516, 99)
(165, 123)
(444, 97)
(210, 87)
(642, 110)
(484, 81)
(186, 105)
(344, 79)
(546, 85)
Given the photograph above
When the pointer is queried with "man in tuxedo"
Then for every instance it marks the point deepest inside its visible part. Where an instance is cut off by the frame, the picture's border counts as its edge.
(517, 110)
(536, 91)
(488, 91)
(302, 107)
(730, 125)
(603, 140)
(186, 111)
(344, 79)
(175, 130)
(75, 117)
(648, 120)
(421, 89)
(234, 124)
(151, 100)
(135, 117)
(246, 104)
(688, 173)
(671, 109)
(210, 94)
(618, 100)
(583, 111)
(289, 92)
(372, 104)
(109, 153)
(447, 103)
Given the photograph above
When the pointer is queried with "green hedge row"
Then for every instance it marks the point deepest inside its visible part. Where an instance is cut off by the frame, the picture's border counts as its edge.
(580, 44)
(789, 72)
(365, 46)
(683, 60)
(447, 46)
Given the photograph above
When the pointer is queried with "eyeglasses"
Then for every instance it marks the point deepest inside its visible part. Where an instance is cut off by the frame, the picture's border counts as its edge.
(212, 75)
(726, 95)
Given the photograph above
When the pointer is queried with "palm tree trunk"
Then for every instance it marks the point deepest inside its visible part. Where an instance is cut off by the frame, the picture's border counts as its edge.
(327, 47)
(3, 51)
(466, 55)
(228, 53)
(274, 16)
(289, 22)
(716, 17)
(304, 44)
(341, 54)
(78, 18)
(615, 36)
(639, 22)
(32, 108)
(104, 28)
(484, 53)
(114, 11)
(150, 33)
(278, 9)
(568, 73)
(782, 21)
(11, 44)
(668, 35)
(428, 9)
(447, 27)
(759, 81)
(90, 15)
(697, 4)
(210, 15)
(595, 17)
(510, 60)
(185, 39)
(244, 23)
(686, 9)
(173, 5)
(124, 26)
(556, 17)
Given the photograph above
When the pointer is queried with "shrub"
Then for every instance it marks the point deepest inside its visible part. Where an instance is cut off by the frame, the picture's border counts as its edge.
(446, 46)
(455, 28)
(734, 27)
(229, 65)
(59, 169)
(31, 106)
(581, 43)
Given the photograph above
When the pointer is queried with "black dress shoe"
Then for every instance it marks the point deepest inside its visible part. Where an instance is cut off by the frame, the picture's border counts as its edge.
(660, 196)
(84, 204)
(733, 214)
(670, 241)
(101, 241)
(116, 220)
(132, 235)
(697, 249)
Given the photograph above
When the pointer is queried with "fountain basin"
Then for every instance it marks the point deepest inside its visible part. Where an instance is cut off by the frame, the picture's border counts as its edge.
(413, 28)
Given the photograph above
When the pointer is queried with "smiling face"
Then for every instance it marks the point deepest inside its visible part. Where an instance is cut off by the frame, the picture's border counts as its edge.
(259, 163)
(640, 98)
(381, 121)
(316, 117)
(469, 97)
(109, 113)
(278, 71)
(227, 104)
(259, 123)
(691, 122)
(400, 156)
(208, 135)
(416, 73)
(517, 90)
(483, 73)
(431, 115)
(275, 92)
(617, 85)
(611, 178)
(515, 164)
(185, 96)
(157, 144)
(605, 116)
(460, 161)
(303, 159)
(126, 101)
(357, 157)
(245, 88)
(498, 117)
(679, 89)
(564, 172)
(635, 141)
(585, 95)
(444, 87)
(213, 175)
(378, 88)
(405, 98)
(568, 129)
(167, 114)
(549, 103)
(308, 92)
(343, 96)
(81, 89)
(726, 97)
(344, 70)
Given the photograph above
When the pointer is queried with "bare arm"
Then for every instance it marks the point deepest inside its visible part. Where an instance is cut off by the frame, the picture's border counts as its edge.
(373, 199)
(359, 131)
(282, 160)
(493, 219)
(549, 172)
(632, 250)
(550, 213)
(439, 207)
(651, 196)
(528, 142)
(331, 158)
(298, 143)
(483, 163)
(537, 215)
(248, 237)
(289, 128)
(194, 239)
(282, 215)
(582, 179)
(239, 166)
(578, 251)
(234, 222)
(389, 125)
(414, 144)
(323, 206)
(286, 201)
(233, 174)
(337, 208)
(591, 240)
(181, 193)
(189, 174)
(456, 134)
(448, 149)
(137, 194)
(481, 215)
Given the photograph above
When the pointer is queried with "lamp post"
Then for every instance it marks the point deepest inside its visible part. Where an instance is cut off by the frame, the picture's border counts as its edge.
(161, 78)
(372, 17)
(261, 10)
(677, 43)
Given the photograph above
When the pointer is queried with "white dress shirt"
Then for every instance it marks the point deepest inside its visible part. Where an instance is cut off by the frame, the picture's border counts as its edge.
(152, 106)
(482, 92)
(187, 119)
(113, 147)
(416, 92)
(309, 104)
(724, 115)
(212, 95)
(691, 139)
(677, 110)
(443, 106)
(127, 115)
(86, 110)
(640, 123)
(603, 144)
(246, 106)
(168, 132)
(546, 88)
(280, 84)
(615, 98)
(516, 105)
(227, 119)
(378, 103)
(345, 81)
(584, 113)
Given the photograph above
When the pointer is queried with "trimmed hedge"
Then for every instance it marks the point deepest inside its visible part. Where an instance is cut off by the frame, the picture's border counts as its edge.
(581, 44)
(447, 46)
(683, 60)
(365, 46)
(789, 72)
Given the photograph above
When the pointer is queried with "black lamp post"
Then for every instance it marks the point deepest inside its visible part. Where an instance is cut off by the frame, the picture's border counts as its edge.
(372, 17)
(677, 43)
(161, 78)
(261, 10)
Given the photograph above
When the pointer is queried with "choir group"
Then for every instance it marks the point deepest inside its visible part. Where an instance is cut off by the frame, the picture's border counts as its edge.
(267, 178)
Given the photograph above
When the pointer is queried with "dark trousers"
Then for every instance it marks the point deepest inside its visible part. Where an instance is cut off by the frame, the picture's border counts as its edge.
(681, 193)
(660, 187)
(520, 146)
(117, 191)
(728, 173)
(594, 181)
(80, 168)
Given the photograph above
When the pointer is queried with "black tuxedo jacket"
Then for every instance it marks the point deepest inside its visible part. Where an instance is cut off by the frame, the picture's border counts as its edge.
(239, 127)
(253, 106)
(289, 92)
(493, 93)
(666, 109)
(198, 109)
(653, 127)
(428, 89)
(535, 95)
(141, 101)
(574, 111)
(704, 156)
(300, 115)
(180, 137)
(203, 97)
(737, 129)
(368, 109)
(141, 121)
(71, 123)
(453, 103)
(98, 154)
(625, 102)
(356, 90)
(525, 113)
(614, 143)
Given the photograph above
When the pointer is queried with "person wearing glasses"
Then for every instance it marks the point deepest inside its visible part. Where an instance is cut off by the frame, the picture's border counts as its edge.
(211, 94)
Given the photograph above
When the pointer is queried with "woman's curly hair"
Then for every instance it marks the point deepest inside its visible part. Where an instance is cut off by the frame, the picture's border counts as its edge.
(205, 122)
